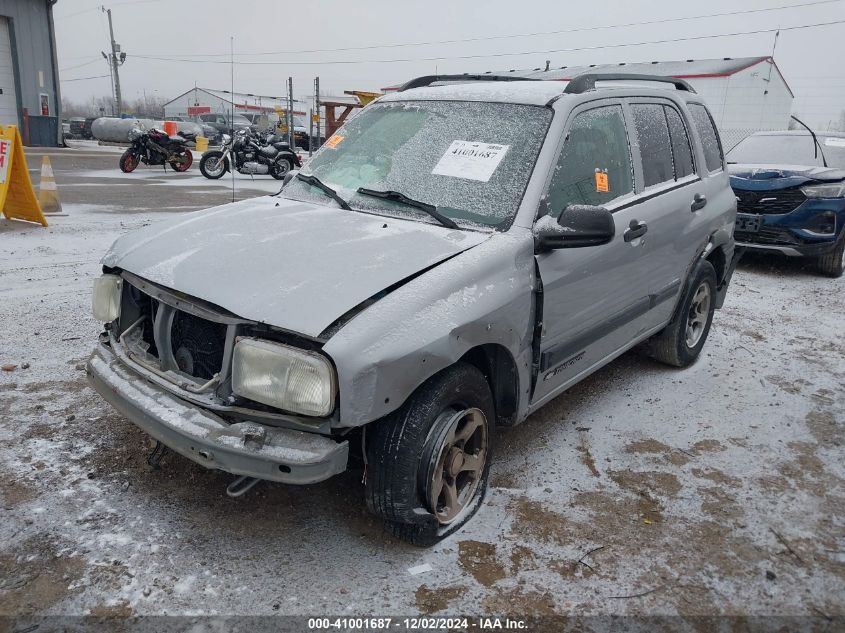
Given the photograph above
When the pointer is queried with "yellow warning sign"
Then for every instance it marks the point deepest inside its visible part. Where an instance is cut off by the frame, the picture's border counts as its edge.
(17, 198)
(601, 182)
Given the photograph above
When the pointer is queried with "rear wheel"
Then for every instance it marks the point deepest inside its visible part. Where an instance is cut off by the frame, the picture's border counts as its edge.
(187, 159)
(833, 263)
(128, 161)
(280, 168)
(680, 342)
(428, 462)
(213, 165)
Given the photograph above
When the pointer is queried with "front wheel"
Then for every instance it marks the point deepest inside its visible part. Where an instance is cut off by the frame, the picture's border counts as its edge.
(429, 461)
(680, 342)
(833, 263)
(128, 161)
(213, 165)
(280, 168)
(183, 162)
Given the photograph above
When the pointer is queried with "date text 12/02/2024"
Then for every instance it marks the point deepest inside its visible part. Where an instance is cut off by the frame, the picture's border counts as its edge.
(417, 624)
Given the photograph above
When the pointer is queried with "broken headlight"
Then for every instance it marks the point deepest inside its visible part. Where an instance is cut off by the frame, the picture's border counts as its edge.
(284, 377)
(105, 299)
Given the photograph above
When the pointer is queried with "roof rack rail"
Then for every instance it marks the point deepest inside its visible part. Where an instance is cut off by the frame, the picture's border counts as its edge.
(587, 81)
(427, 80)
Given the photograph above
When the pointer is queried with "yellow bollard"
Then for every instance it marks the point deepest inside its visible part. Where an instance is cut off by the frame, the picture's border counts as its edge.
(48, 193)
(202, 144)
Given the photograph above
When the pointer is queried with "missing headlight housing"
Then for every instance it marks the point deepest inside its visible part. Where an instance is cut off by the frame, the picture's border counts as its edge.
(284, 377)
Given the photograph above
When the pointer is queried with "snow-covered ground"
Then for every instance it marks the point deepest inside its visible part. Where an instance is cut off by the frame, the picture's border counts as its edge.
(719, 489)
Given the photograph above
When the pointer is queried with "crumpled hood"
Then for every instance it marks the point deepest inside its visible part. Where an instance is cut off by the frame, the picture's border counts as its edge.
(764, 177)
(290, 264)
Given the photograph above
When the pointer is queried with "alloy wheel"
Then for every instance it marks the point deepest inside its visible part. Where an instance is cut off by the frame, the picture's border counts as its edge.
(458, 465)
(699, 311)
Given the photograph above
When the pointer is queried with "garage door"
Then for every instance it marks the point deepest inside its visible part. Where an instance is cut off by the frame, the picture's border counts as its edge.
(8, 101)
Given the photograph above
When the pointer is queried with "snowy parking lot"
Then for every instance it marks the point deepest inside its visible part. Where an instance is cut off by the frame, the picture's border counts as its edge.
(719, 489)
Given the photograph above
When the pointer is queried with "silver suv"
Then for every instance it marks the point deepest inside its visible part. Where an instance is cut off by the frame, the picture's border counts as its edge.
(453, 258)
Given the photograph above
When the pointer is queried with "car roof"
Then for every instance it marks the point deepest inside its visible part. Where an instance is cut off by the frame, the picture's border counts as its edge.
(798, 133)
(537, 93)
(525, 92)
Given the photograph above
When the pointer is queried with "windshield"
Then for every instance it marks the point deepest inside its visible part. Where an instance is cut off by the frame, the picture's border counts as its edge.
(789, 149)
(471, 161)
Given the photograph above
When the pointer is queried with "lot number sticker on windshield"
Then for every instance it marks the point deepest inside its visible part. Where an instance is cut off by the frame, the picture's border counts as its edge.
(834, 142)
(334, 141)
(601, 182)
(470, 160)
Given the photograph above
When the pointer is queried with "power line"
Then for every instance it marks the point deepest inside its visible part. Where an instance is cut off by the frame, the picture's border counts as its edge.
(95, 59)
(518, 35)
(490, 55)
(86, 78)
(97, 8)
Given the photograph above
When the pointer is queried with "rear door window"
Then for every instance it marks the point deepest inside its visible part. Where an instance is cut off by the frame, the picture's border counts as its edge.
(681, 148)
(655, 143)
(706, 129)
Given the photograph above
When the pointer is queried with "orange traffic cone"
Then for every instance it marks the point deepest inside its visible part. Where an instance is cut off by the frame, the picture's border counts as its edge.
(48, 193)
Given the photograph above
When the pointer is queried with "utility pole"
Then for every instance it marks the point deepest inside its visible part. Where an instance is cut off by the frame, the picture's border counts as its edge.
(116, 58)
(290, 115)
(317, 107)
(310, 132)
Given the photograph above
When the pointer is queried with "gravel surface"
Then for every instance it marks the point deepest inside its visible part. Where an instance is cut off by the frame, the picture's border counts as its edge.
(643, 490)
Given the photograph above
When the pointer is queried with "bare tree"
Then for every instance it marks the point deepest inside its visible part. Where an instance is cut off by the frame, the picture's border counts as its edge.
(151, 107)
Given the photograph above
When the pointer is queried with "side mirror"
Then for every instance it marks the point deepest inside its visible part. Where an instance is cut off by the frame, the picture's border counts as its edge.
(289, 176)
(578, 225)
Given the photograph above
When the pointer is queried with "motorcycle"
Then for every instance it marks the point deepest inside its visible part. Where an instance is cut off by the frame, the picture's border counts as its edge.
(155, 147)
(253, 155)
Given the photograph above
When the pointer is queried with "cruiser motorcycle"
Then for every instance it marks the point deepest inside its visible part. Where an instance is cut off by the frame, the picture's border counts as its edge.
(252, 155)
(155, 147)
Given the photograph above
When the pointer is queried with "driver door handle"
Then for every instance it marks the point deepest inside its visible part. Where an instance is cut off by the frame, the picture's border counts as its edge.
(699, 201)
(636, 229)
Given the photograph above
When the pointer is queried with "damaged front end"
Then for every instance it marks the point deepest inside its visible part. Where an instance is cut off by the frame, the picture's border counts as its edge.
(165, 362)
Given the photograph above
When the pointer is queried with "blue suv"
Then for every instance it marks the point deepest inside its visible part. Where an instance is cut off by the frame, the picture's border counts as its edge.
(790, 191)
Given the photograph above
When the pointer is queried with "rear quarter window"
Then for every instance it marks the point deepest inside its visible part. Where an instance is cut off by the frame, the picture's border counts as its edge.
(712, 145)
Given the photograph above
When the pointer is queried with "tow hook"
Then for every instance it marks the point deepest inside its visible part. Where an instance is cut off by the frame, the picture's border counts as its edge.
(241, 486)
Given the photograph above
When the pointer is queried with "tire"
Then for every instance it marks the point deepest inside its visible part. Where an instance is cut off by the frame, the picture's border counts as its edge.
(280, 168)
(128, 161)
(680, 342)
(213, 156)
(414, 452)
(183, 166)
(833, 263)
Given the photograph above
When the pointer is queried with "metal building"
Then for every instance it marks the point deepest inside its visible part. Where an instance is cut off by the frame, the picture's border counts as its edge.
(198, 101)
(745, 95)
(29, 78)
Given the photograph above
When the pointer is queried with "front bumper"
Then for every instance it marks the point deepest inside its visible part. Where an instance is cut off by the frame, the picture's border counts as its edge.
(243, 448)
(792, 233)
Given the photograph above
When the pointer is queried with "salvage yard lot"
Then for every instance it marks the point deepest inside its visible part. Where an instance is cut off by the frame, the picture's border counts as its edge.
(643, 490)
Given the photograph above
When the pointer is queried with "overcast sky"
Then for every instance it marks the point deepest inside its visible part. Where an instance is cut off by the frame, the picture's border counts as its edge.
(810, 59)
